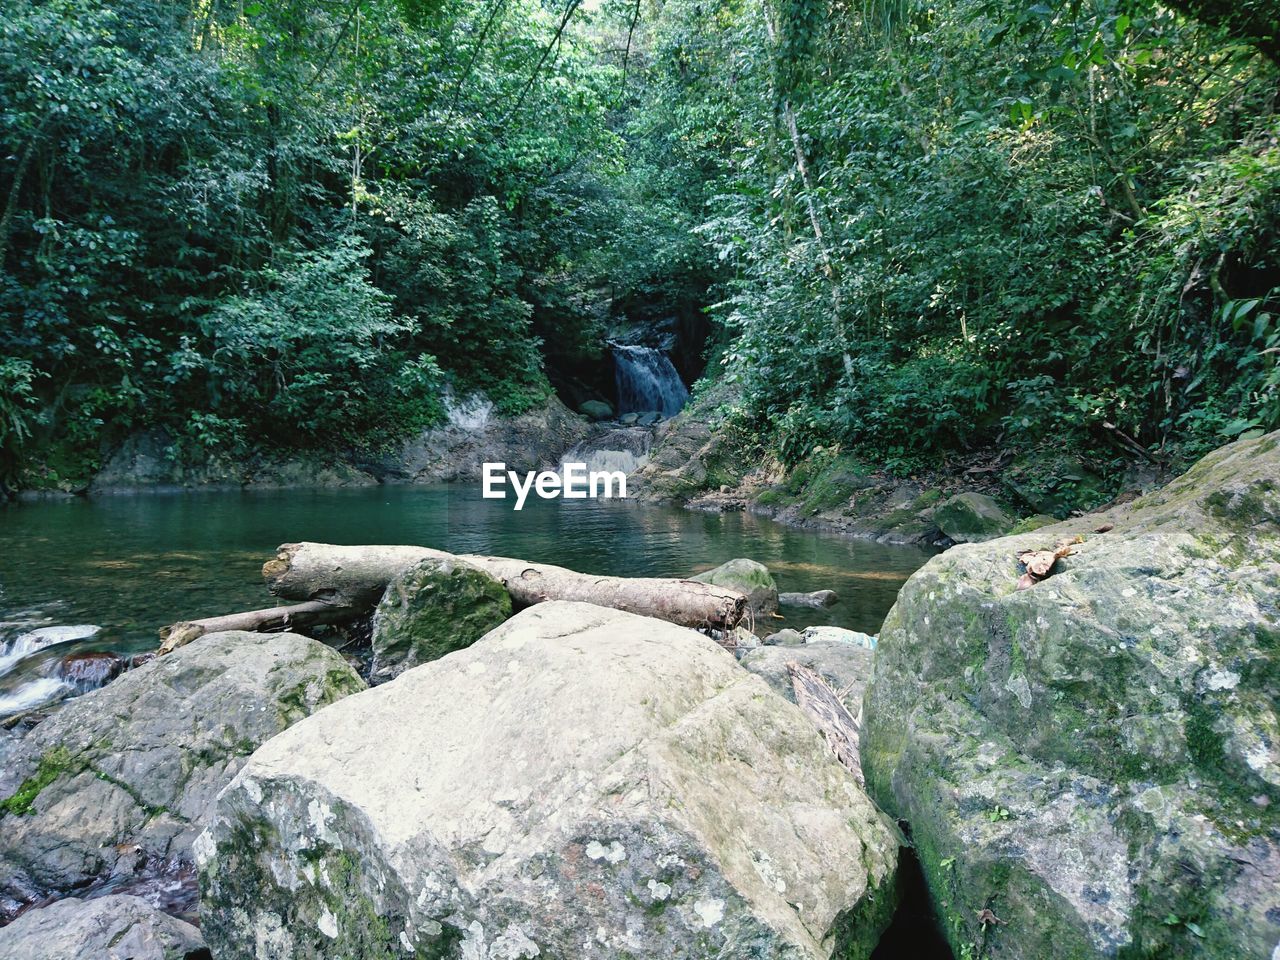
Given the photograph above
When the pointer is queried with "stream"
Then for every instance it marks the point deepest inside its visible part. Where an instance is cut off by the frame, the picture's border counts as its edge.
(130, 564)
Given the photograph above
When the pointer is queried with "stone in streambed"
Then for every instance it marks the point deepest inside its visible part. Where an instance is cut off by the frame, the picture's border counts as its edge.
(749, 578)
(971, 518)
(596, 409)
(815, 599)
(137, 763)
(827, 634)
(1097, 756)
(434, 607)
(90, 669)
(580, 782)
(785, 637)
(116, 927)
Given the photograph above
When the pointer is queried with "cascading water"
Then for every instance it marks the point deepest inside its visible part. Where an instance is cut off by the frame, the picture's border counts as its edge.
(647, 381)
(625, 449)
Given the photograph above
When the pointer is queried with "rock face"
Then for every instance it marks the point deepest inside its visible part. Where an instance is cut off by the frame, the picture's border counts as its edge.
(476, 434)
(108, 928)
(1097, 758)
(845, 666)
(431, 609)
(747, 577)
(580, 783)
(127, 773)
(149, 460)
(971, 518)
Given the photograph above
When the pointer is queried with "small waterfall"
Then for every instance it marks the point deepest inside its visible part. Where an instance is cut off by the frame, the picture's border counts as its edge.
(647, 380)
(624, 449)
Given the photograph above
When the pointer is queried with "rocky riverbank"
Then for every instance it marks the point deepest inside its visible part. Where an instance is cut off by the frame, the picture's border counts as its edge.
(1074, 729)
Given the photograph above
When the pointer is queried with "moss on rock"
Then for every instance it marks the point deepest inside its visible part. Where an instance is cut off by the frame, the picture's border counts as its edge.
(434, 608)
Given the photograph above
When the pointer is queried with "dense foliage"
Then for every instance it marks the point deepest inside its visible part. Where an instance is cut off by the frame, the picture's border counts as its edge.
(922, 229)
(957, 225)
(291, 222)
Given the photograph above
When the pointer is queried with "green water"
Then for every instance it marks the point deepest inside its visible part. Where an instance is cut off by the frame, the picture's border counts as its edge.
(134, 563)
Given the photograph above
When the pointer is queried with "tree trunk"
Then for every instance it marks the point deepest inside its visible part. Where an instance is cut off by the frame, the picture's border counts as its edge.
(357, 576)
(273, 618)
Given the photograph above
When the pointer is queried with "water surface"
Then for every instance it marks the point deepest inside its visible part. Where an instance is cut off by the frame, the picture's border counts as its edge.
(133, 563)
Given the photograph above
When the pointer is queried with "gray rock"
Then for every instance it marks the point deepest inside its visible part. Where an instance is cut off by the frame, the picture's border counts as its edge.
(579, 782)
(434, 607)
(109, 928)
(845, 666)
(151, 460)
(649, 419)
(628, 419)
(595, 409)
(816, 599)
(839, 635)
(1096, 755)
(747, 577)
(534, 440)
(785, 638)
(131, 770)
(971, 518)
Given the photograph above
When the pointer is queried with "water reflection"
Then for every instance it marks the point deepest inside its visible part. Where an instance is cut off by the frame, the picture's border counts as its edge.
(132, 564)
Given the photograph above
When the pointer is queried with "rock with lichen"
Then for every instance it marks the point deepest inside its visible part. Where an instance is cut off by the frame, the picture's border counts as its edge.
(1095, 758)
(121, 778)
(580, 782)
(116, 927)
(436, 606)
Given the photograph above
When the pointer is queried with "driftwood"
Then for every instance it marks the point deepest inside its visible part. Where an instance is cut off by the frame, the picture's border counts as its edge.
(357, 577)
(822, 705)
(273, 618)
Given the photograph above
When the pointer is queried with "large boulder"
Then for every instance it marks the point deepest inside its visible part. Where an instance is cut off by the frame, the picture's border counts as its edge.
(749, 578)
(116, 927)
(434, 607)
(127, 773)
(1095, 758)
(580, 783)
(971, 518)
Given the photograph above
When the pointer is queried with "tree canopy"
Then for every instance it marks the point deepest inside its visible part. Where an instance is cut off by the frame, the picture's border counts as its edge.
(915, 229)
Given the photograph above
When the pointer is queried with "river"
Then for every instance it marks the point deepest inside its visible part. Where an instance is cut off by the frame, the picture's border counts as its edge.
(133, 563)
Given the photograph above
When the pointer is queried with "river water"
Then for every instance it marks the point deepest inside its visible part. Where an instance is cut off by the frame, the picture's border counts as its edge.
(133, 563)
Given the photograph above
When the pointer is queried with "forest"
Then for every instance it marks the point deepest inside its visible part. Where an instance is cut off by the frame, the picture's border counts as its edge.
(910, 231)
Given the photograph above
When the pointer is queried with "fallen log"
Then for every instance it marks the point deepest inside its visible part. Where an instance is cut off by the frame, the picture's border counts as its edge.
(357, 576)
(257, 621)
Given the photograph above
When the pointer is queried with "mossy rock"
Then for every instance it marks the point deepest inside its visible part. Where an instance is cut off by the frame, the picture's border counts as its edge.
(971, 518)
(1093, 757)
(434, 608)
(131, 769)
(749, 578)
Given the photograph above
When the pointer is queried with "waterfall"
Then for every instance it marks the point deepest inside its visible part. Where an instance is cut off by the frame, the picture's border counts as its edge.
(647, 380)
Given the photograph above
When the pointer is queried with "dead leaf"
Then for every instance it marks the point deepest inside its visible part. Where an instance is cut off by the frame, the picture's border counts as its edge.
(1038, 562)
